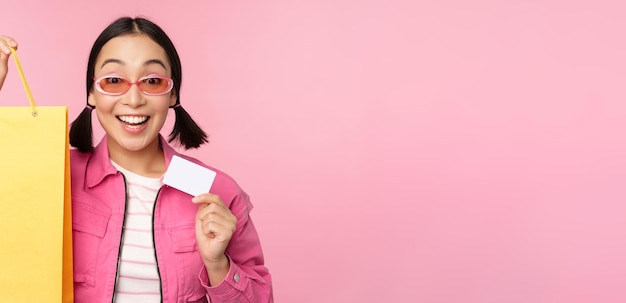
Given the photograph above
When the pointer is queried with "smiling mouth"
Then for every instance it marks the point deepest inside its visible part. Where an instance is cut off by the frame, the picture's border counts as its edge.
(133, 121)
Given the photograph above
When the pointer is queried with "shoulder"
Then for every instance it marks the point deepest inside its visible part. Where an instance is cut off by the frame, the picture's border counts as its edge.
(76, 155)
(222, 181)
(78, 159)
(226, 187)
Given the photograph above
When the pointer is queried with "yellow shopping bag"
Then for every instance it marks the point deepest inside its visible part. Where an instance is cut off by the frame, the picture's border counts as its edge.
(35, 204)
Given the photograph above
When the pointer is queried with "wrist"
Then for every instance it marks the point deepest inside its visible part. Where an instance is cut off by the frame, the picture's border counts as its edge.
(220, 263)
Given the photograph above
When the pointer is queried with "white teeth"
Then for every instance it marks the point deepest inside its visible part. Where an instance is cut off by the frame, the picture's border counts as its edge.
(133, 119)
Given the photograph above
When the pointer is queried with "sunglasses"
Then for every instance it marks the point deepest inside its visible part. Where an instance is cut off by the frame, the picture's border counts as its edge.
(151, 85)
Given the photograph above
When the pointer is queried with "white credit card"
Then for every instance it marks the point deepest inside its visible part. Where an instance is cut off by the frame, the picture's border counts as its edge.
(188, 177)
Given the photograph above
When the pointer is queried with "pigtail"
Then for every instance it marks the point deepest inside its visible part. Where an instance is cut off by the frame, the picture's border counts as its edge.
(186, 131)
(81, 132)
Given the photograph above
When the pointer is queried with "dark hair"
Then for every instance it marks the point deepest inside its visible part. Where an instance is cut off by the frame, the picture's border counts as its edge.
(185, 131)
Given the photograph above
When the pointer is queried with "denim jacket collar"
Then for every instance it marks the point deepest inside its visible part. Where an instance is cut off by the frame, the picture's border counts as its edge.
(101, 167)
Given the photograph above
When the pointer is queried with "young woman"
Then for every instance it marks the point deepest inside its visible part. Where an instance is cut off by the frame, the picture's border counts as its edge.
(135, 239)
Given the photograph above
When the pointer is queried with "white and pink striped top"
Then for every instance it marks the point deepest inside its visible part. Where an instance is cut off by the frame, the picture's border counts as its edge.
(138, 278)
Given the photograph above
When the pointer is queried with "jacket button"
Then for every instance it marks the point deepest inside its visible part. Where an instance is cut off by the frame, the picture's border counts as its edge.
(236, 278)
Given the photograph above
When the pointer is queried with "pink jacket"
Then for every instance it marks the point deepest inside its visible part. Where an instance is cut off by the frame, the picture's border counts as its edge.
(98, 202)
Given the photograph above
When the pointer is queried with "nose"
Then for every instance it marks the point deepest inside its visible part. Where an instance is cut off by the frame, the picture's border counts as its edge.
(134, 97)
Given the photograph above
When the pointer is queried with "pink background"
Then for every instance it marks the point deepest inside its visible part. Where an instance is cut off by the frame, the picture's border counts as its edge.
(396, 151)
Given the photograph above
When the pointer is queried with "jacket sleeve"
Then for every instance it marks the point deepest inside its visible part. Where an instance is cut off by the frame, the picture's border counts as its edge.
(248, 280)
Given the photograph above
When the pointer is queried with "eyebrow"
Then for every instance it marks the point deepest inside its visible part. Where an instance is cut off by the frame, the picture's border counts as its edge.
(118, 61)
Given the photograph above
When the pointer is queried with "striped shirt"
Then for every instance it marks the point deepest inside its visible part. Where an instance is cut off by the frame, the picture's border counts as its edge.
(138, 278)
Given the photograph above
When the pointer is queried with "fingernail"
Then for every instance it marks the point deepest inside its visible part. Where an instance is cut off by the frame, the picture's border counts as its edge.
(194, 199)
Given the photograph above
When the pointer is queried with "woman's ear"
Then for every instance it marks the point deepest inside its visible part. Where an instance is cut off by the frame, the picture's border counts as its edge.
(90, 100)
(173, 98)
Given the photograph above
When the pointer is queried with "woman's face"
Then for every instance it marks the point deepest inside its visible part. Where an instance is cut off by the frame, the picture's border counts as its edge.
(132, 120)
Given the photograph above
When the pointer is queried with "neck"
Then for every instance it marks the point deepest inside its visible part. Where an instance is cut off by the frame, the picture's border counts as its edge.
(147, 162)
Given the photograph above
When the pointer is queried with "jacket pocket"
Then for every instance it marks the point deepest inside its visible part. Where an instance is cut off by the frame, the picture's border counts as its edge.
(89, 226)
(189, 263)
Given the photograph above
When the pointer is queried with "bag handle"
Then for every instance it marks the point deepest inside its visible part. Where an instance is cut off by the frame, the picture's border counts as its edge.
(31, 100)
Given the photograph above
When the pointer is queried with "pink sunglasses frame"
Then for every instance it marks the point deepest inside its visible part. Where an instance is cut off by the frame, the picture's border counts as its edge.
(169, 80)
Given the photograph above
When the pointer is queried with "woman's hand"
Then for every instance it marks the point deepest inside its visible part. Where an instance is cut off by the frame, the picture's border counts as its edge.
(215, 225)
(5, 52)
